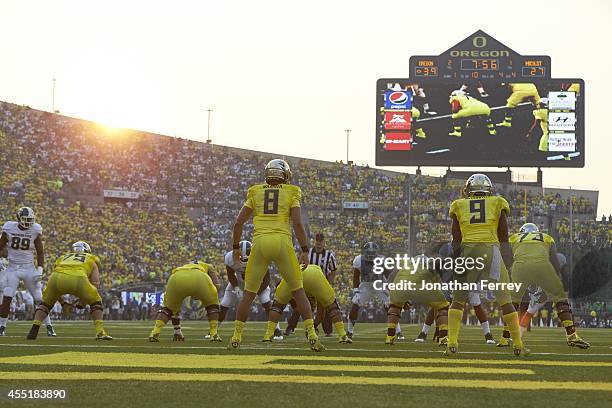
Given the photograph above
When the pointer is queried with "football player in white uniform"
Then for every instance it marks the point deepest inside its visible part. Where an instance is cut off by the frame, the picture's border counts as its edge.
(21, 238)
(235, 288)
(363, 278)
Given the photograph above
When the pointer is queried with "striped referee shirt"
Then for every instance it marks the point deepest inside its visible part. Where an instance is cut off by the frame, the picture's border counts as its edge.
(326, 260)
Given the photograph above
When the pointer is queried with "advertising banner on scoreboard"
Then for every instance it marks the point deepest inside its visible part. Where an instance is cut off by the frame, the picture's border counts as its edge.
(480, 104)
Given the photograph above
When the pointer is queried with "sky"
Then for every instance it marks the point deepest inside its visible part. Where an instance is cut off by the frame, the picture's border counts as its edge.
(282, 76)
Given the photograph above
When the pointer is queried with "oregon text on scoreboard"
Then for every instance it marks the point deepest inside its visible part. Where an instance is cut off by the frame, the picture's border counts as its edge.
(480, 104)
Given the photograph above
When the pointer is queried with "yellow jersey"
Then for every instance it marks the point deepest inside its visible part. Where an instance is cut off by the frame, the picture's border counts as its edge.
(201, 266)
(479, 217)
(531, 247)
(76, 264)
(272, 206)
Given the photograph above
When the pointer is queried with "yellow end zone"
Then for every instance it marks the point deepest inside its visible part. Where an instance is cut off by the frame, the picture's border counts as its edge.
(250, 362)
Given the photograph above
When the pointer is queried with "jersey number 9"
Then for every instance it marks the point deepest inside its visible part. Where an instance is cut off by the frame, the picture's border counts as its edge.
(477, 208)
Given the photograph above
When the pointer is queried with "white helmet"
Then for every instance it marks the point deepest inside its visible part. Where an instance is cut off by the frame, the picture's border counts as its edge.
(529, 227)
(245, 250)
(81, 246)
(25, 217)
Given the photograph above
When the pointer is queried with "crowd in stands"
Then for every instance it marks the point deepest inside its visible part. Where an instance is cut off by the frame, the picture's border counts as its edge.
(190, 193)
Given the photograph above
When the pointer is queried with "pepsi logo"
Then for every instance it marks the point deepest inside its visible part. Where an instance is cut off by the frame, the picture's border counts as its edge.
(398, 98)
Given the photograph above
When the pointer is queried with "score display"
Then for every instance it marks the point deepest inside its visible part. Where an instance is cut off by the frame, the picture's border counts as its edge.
(480, 104)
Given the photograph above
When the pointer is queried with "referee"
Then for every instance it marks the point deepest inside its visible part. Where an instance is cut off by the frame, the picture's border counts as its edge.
(326, 259)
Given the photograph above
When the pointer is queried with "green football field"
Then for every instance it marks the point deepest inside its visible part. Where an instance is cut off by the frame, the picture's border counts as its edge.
(130, 371)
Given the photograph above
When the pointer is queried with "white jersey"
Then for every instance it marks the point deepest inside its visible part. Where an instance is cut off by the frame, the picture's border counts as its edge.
(21, 242)
(239, 267)
(367, 274)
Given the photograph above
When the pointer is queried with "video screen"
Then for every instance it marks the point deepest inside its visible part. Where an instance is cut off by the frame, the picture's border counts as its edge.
(436, 123)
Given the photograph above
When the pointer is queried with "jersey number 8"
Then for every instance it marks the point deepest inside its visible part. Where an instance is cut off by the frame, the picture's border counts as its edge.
(270, 202)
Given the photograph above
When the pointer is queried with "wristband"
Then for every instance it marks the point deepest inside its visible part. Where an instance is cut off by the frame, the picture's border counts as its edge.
(304, 249)
(236, 246)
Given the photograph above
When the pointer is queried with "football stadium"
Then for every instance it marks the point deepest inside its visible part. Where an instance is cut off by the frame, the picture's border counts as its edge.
(444, 240)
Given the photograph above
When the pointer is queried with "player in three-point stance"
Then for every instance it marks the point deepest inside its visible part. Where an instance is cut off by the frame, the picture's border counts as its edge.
(467, 109)
(480, 231)
(320, 292)
(273, 206)
(520, 93)
(21, 238)
(536, 265)
(76, 273)
(197, 280)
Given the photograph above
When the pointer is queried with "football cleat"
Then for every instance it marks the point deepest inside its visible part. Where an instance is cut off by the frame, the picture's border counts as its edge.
(574, 340)
(421, 338)
(489, 339)
(216, 338)
(50, 331)
(455, 133)
(505, 123)
(154, 337)
(278, 335)
(234, 343)
(399, 336)
(443, 341)
(344, 339)
(315, 344)
(2, 331)
(178, 337)
(103, 335)
(207, 337)
(521, 351)
(451, 350)
(349, 334)
(504, 342)
(390, 340)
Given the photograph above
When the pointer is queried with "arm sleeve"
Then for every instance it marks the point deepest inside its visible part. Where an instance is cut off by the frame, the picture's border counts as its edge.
(297, 197)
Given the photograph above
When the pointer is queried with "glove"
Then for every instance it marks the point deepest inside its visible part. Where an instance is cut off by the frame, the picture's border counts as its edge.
(239, 292)
(355, 291)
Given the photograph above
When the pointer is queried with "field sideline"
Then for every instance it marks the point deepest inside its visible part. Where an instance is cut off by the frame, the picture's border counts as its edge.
(129, 370)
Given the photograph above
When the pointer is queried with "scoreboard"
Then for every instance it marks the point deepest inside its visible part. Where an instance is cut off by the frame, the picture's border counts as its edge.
(480, 104)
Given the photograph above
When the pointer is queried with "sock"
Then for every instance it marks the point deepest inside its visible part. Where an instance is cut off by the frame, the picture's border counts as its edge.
(569, 327)
(238, 328)
(351, 325)
(340, 328)
(425, 328)
(398, 328)
(214, 326)
(47, 321)
(270, 330)
(177, 328)
(99, 326)
(454, 322)
(3, 321)
(391, 329)
(159, 324)
(309, 325)
(443, 330)
(485, 327)
(277, 326)
(511, 319)
(37, 322)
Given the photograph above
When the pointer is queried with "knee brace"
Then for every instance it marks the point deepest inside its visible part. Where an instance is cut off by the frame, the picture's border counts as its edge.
(563, 306)
(166, 311)
(212, 309)
(277, 307)
(394, 311)
(333, 310)
(96, 306)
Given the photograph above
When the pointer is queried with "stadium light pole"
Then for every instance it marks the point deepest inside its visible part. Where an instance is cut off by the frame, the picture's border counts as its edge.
(348, 132)
(208, 140)
(53, 97)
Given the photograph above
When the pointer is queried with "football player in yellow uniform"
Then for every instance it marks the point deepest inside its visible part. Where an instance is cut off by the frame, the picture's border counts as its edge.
(465, 109)
(520, 93)
(536, 265)
(197, 280)
(320, 291)
(480, 232)
(76, 273)
(433, 298)
(540, 114)
(273, 205)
